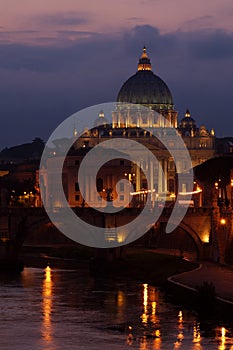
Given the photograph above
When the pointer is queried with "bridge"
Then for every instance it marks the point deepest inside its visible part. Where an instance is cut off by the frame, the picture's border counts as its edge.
(209, 229)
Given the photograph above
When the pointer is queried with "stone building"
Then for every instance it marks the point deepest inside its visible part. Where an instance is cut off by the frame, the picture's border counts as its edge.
(131, 121)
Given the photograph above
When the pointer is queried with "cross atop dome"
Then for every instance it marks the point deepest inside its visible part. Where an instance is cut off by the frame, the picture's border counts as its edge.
(144, 61)
(144, 54)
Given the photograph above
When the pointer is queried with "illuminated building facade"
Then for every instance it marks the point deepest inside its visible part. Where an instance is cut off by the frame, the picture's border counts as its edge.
(129, 121)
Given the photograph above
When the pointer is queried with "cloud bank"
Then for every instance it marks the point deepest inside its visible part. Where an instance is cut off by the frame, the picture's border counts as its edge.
(42, 84)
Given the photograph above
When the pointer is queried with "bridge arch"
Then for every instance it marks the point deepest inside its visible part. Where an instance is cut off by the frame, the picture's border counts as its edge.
(190, 232)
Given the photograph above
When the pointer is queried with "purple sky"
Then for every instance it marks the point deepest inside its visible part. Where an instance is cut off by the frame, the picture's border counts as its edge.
(57, 57)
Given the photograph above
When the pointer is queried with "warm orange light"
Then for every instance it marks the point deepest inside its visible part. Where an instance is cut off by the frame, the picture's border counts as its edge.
(47, 305)
(142, 192)
(199, 190)
(196, 332)
(153, 306)
(145, 303)
(223, 331)
(223, 221)
(206, 238)
(48, 274)
(157, 340)
(120, 299)
(180, 316)
(222, 345)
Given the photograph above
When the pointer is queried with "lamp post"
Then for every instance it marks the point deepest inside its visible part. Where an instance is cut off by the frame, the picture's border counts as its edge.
(200, 196)
(223, 223)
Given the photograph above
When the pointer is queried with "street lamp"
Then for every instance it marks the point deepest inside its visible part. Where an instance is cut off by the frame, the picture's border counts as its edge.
(223, 221)
(173, 196)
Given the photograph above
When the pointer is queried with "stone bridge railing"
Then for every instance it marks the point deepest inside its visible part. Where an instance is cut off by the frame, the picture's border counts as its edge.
(202, 224)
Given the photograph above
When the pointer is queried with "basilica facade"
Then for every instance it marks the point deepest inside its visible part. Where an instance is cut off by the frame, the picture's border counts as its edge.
(144, 103)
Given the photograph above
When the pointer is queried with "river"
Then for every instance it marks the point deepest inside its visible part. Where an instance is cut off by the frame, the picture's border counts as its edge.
(52, 309)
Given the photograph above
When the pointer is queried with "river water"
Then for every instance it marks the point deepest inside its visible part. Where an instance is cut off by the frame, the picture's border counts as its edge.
(52, 309)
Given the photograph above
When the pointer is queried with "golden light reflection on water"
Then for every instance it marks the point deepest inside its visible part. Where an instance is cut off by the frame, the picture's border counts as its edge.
(145, 304)
(222, 345)
(157, 340)
(180, 334)
(150, 319)
(47, 294)
(120, 299)
(143, 344)
(180, 316)
(153, 312)
(196, 332)
(149, 305)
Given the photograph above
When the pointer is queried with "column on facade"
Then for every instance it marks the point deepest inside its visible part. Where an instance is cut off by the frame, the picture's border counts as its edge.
(160, 177)
(86, 187)
(138, 177)
(165, 175)
(138, 120)
(151, 170)
(119, 119)
(92, 185)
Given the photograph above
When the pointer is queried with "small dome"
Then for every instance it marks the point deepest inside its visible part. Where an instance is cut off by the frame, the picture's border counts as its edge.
(187, 120)
(146, 88)
(101, 120)
(187, 124)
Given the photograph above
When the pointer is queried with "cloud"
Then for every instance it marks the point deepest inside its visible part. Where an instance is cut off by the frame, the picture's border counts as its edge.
(43, 84)
(6, 32)
(135, 19)
(197, 23)
(87, 46)
(212, 44)
(63, 19)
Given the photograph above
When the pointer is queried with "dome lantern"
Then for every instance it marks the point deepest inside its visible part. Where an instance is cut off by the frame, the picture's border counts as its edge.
(101, 120)
(187, 114)
(144, 61)
(101, 114)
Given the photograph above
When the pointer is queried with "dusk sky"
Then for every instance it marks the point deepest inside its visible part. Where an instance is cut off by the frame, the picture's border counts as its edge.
(57, 57)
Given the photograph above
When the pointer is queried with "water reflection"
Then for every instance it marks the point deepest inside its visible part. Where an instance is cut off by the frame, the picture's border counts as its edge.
(145, 304)
(149, 306)
(196, 332)
(116, 315)
(47, 294)
(180, 334)
(222, 345)
(121, 301)
(150, 320)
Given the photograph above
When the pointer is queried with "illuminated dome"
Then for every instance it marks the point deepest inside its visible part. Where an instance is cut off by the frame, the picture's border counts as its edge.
(146, 88)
